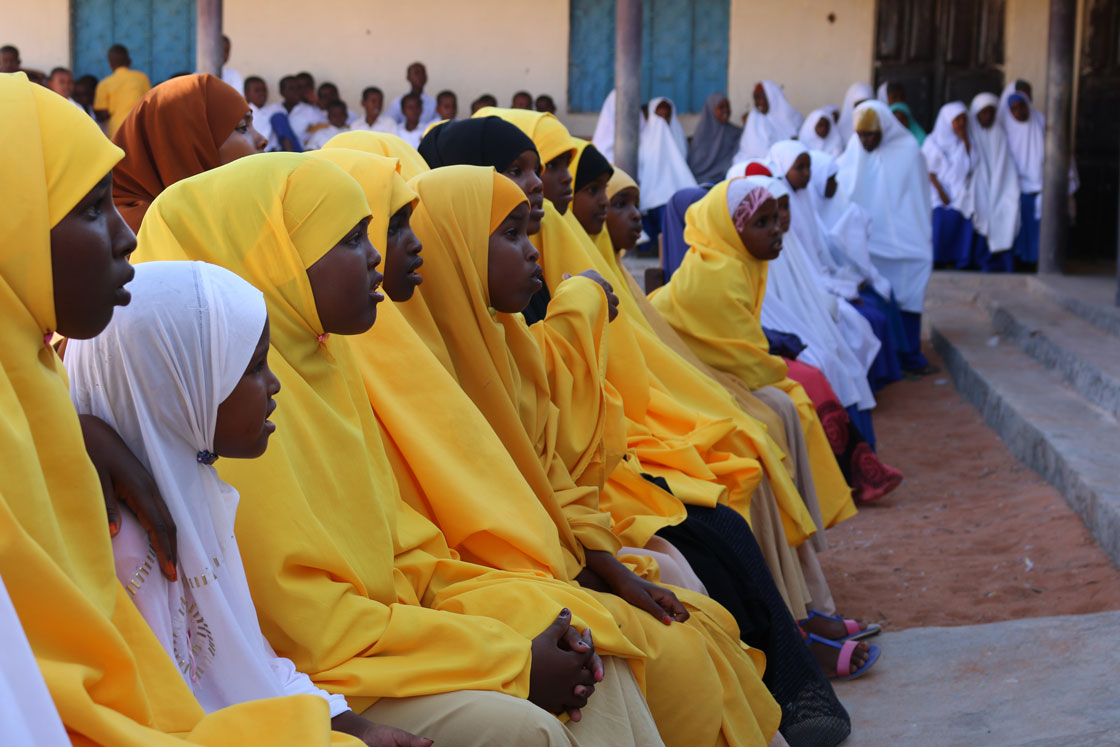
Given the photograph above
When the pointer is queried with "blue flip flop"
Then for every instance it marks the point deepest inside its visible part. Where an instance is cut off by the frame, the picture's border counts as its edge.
(855, 632)
(844, 662)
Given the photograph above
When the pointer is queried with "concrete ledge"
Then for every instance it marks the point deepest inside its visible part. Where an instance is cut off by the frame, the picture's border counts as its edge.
(1044, 682)
(1091, 298)
(1051, 429)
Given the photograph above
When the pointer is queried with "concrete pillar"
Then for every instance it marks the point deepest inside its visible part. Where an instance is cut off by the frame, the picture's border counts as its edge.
(1054, 230)
(1118, 240)
(627, 84)
(208, 37)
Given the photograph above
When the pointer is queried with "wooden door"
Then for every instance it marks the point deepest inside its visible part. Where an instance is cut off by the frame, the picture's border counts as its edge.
(159, 34)
(940, 50)
(1098, 132)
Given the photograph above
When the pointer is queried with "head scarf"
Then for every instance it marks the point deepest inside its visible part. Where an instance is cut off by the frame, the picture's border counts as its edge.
(604, 128)
(831, 143)
(997, 185)
(856, 92)
(1027, 140)
(892, 184)
(326, 542)
(380, 179)
(713, 143)
(551, 137)
(174, 132)
(674, 123)
(485, 141)
(881, 93)
(157, 376)
(952, 162)
(914, 127)
(761, 131)
(107, 675)
(588, 165)
(662, 169)
(381, 144)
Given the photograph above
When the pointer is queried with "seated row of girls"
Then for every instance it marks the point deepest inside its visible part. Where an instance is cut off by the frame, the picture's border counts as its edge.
(677, 647)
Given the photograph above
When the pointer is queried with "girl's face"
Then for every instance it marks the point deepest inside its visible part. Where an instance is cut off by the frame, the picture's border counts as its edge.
(760, 101)
(722, 111)
(1020, 110)
(512, 272)
(89, 263)
(783, 213)
(870, 139)
(525, 171)
(344, 282)
(243, 428)
(402, 257)
(590, 204)
(243, 141)
(830, 187)
(986, 116)
(800, 172)
(960, 126)
(762, 236)
(822, 127)
(664, 110)
(558, 182)
(624, 219)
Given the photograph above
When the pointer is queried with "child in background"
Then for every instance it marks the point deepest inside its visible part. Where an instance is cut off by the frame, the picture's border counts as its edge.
(447, 105)
(411, 131)
(336, 123)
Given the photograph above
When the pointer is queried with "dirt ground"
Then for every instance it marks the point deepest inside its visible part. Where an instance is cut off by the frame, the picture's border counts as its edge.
(972, 535)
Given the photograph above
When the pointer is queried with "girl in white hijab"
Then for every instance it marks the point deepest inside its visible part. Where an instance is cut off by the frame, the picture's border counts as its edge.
(864, 328)
(603, 139)
(883, 171)
(674, 123)
(856, 95)
(952, 172)
(160, 375)
(772, 119)
(819, 132)
(997, 185)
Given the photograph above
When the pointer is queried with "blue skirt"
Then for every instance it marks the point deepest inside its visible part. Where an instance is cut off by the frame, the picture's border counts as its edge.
(987, 262)
(1026, 243)
(952, 238)
(885, 368)
(911, 357)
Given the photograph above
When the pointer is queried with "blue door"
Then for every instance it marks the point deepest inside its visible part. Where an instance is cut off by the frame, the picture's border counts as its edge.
(159, 35)
(684, 51)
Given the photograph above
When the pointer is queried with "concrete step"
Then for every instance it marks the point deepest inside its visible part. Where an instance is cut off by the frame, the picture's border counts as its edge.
(1082, 354)
(1047, 424)
(1042, 682)
(1091, 298)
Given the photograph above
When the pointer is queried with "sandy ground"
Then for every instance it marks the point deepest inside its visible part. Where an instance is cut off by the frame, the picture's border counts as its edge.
(972, 535)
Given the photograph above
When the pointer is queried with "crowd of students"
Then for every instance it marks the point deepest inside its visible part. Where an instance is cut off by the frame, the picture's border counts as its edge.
(405, 453)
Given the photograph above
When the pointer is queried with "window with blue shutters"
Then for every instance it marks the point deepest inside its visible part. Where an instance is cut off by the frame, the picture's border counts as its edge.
(159, 34)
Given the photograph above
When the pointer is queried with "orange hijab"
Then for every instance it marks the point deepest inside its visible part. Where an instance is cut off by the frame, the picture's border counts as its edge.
(174, 132)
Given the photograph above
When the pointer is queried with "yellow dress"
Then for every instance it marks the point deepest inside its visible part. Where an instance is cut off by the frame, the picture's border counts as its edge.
(713, 301)
(350, 582)
(109, 677)
(497, 362)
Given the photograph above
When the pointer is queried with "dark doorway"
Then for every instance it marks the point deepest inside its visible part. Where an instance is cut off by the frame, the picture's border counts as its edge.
(1098, 132)
(939, 50)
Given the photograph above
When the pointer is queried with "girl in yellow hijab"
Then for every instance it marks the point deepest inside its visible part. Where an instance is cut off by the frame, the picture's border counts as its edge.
(349, 582)
(480, 268)
(63, 262)
(382, 144)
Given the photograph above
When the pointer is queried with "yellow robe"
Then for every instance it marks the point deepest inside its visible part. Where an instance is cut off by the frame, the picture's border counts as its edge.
(109, 677)
(713, 301)
(498, 363)
(349, 582)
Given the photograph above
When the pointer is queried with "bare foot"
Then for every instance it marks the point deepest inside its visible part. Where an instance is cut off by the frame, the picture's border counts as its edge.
(826, 628)
(827, 656)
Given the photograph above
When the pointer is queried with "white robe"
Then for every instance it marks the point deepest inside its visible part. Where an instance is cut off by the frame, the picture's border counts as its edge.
(662, 169)
(674, 123)
(781, 122)
(832, 144)
(427, 110)
(892, 184)
(857, 92)
(157, 375)
(954, 164)
(997, 186)
(320, 137)
(603, 139)
(1027, 141)
(383, 123)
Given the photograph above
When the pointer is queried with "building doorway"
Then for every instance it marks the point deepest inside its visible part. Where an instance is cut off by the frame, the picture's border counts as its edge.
(159, 34)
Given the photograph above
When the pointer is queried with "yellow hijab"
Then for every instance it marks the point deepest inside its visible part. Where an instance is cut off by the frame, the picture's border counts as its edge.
(546, 131)
(349, 581)
(382, 144)
(108, 676)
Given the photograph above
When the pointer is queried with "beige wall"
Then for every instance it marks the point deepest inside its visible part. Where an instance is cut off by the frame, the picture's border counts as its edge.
(793, 43)
(41, 30)
(1025, 41)
(475, 47)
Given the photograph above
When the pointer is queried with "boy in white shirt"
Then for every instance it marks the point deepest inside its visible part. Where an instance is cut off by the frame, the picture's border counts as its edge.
(336, 123)
(447, 105)
(412, 131)
(256, 93)
(417, 77)
(301, 115)
(374, 120)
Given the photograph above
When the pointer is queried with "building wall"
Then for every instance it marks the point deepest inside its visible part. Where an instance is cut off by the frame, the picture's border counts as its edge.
(40, 29)
(1025, 42)
(482, 46)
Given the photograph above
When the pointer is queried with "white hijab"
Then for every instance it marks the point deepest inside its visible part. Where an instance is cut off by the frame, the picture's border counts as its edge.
(156, 375)
(662, 169)
(952, 162)
(856, 92)
(831, 144)
(892, 185)
(674, 123)
(794, 283)
(761, 131)
(1027, 140)
(881, 93)
(997, 182)
(603, 139)
(846, 225)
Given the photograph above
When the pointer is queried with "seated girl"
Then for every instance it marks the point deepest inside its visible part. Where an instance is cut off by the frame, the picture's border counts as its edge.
(201, 332)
